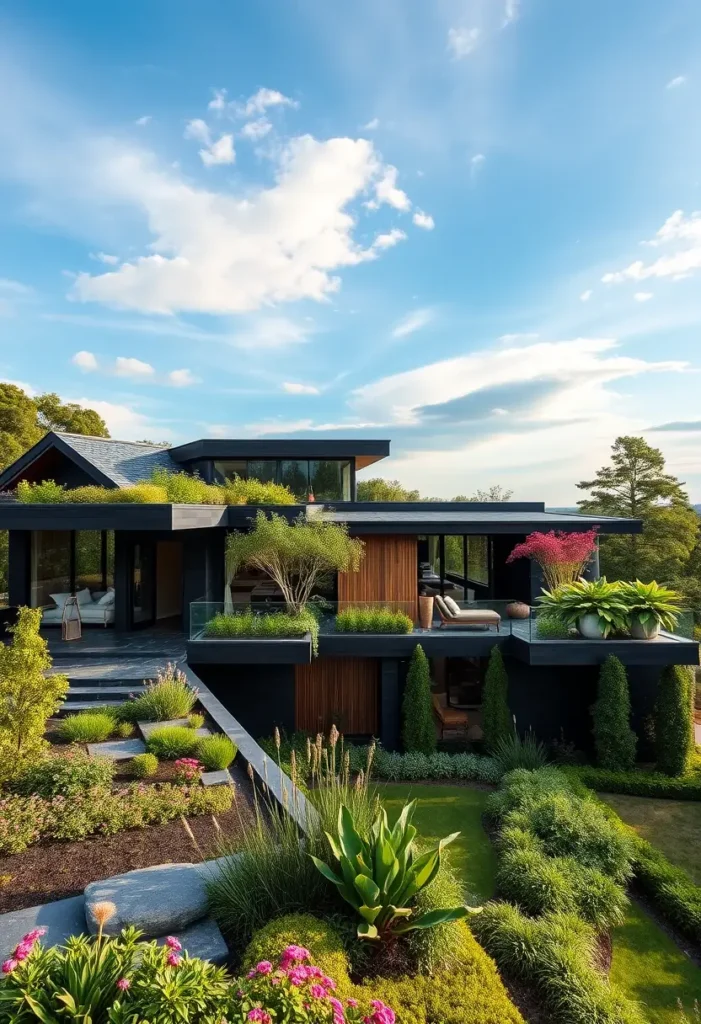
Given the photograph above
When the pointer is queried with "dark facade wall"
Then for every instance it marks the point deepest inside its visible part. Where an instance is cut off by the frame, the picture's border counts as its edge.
(511, 581)
(19, 566)
(554, 701)
(260, 697)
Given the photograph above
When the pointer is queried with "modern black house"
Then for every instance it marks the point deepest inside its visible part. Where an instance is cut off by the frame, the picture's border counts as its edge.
(149, 567)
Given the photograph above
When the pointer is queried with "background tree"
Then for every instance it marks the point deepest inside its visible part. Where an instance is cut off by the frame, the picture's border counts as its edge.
(497, 723)
(418, 729)
(674, 720)
(53, 414)
(614, 739)
(28, 697)
(378, 489)
(636, 485)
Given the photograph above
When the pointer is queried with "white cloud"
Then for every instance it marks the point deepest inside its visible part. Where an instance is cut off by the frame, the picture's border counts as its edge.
(581, 367)
(585, 296)
(674, 83)
(272, 332)
(198, 130)
(141, 121)
(219, 102)
(387, 240)
(181, 378)
(372, 125)
(463, 41)
(123, 421)
(22, 385)
(85, 361)
(104, 257)
(257, 129)
(517, 337)
(679, 232)
(218, 252)
(129, 367)
(642, 296)
(386, 191)
(511, 11)
(264, 98)
(293, 388)
(413, 321)
(220, 152)
(424, 220)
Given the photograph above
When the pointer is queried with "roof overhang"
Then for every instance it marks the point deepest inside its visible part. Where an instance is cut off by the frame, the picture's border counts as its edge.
(111, 516)
(424, 518)
(22, 466)
(365, 452)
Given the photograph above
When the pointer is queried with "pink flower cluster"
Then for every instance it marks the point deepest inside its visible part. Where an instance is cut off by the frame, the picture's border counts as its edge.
(312, 986)
(562, 556)
(175, 947)
(188, 769)
(22, 950)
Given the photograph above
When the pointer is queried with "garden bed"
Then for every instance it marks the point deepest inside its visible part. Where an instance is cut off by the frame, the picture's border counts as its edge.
(57, 869)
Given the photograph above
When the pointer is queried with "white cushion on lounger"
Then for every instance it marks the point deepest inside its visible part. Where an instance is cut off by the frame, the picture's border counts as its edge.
(106, 599)
(452, 605)
(94, 613)
(84, 597)
(60, 599)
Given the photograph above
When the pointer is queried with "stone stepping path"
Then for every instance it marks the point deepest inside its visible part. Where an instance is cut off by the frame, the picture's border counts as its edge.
(220, 778)
(118, 750)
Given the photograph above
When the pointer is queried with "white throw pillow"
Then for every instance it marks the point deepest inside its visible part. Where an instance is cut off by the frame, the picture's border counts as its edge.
(107, 599)
(59, 599)
(84, 596)
(453, 605)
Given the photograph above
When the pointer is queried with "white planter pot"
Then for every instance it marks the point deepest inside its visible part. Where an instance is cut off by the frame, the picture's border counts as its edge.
(590, 627)
(644, 632)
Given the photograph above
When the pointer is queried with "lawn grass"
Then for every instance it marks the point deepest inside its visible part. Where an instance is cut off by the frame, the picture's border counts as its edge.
(673, 826)
(445, 809)
(648, 966)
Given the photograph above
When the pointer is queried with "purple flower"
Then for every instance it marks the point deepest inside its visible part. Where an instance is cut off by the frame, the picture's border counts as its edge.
(9, 966)
(318, 991)
(260, 1015)
(123, 984)
(264, 967)
(172, 943)
(173, 959)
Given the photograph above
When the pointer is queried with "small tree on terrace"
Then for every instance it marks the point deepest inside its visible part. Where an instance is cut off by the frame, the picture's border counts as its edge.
(28, 697)
(614, 739)
(298, 556)
(562, 556)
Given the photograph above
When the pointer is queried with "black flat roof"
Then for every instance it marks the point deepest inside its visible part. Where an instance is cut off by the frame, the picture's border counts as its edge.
(482, 519)
(363, 451)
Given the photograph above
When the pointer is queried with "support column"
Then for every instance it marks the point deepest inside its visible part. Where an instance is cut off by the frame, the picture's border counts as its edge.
(390, 697)
(123, 548)
(19, 567)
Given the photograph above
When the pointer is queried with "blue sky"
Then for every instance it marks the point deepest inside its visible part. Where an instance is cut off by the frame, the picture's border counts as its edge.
(466, 226)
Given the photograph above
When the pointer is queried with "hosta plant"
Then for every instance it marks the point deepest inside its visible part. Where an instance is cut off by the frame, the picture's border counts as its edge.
(573, 601)
(381, 876)
(651, 604)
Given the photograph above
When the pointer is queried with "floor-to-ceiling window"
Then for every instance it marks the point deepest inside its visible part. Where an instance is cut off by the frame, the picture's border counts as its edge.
(457, 565)
(309, 479)
(66, 562)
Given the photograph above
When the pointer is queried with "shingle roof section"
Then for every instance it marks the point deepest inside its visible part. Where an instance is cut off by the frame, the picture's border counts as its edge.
(124, 462)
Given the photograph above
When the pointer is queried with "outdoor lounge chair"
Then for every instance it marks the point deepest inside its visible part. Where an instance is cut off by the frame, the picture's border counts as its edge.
(452, 615)
(449, 719)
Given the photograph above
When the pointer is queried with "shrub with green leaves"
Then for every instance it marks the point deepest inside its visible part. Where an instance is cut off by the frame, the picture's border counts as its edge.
(169, 742)
(144, 765)
(195, 721)
(46, 492)
(614, 739)
(169, 696)
(639, 783)
(556, 955)
(319, 937)
(669, 889)
(674, 720)
(216, 752)
(496, 717)
(373, 620)
(257, 492)
(418, 726)
(66, 773)
(124, 730)
(266, 625)
(379, 877)
(87, 727)
(512, 752)
(552, 627)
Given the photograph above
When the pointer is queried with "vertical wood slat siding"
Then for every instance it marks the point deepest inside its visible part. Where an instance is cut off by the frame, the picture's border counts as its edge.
(388, 573)
(337, 691)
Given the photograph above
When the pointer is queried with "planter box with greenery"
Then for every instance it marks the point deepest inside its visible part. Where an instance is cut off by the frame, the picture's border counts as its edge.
(373, 620)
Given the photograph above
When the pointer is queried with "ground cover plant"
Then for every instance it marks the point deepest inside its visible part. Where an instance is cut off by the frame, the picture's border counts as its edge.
(373, 620)
(169, 742)
(270, 625)
(87, 727)
(65, 773)
(216, 752)
(643, 783)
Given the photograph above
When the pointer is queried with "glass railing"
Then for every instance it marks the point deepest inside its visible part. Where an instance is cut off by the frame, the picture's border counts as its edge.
(541, 628)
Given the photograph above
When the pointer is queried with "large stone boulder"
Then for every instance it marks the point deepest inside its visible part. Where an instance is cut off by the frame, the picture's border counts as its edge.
(158, 901)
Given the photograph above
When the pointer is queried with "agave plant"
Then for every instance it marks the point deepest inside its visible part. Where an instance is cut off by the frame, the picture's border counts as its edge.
(381, 877)
(651, 604)
(573, 601)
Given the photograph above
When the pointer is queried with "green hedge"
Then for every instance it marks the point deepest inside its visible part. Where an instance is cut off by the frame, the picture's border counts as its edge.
(272, 625)
(472, 991)
(373, 620)
(614, 739)
(683, 787)
(674, 720)
(669, 889)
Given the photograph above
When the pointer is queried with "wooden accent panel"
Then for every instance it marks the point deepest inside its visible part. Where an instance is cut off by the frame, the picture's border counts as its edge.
(337, 691)
(389, 572)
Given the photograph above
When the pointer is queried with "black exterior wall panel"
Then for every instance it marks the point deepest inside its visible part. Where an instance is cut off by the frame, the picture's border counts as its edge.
(260, 696)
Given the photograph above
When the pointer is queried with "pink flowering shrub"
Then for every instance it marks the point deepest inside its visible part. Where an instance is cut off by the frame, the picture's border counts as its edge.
(561, 556)
(187, 769)
(298, 992)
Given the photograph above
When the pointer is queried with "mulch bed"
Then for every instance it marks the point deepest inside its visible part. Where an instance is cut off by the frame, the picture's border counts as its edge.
(56, 870)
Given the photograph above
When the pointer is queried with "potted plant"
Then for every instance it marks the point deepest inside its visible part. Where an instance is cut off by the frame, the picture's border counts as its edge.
(595, 607)
(425, 606)
(650, 607)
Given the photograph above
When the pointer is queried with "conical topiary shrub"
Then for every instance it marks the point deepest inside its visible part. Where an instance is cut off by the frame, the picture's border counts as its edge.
(418, 728)
(674, 720)
(614, 739)
(497, 723)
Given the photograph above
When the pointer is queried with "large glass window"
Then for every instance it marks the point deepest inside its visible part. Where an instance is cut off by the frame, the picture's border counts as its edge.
(51, 566)
(294, 474)
(228, 470)
(478, 560)
(89, 562)
(455, 566)
(330, 480)
(325, 479)
(264, 470)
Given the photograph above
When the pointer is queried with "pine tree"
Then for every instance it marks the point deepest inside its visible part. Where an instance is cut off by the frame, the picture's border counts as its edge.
(614, 739)
(496, 717)
(418, 728)
(674, 720)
